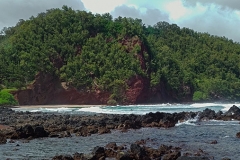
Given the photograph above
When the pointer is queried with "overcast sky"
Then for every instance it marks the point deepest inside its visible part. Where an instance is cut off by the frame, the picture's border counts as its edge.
(217, 17)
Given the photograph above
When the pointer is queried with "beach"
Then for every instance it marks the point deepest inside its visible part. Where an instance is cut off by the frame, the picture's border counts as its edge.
(56, 106)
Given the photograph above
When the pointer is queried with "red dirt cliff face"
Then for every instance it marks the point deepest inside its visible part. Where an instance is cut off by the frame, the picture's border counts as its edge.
(47, 89)
(137, 91)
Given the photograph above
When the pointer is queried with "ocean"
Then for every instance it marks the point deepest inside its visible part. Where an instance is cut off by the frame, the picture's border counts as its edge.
(192, 136)
(130, 109)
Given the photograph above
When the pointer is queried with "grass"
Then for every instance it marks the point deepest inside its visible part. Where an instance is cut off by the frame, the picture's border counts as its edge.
(9, 90)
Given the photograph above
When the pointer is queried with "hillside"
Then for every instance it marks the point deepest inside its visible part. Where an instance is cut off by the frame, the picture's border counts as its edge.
(65, 56)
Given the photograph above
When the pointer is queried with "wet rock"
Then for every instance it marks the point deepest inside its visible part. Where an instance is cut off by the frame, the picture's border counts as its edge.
(214, 142)
(238, 135)
(3, 139)
(79, 156)
(11, 141)
(110, 152)
(153, 153)
(138, 151)
(192, 158)
(103, 130)
(28, 131)
(65, 134)
(234, 110)
(207, 114)
(52, 135)
(98, 152)
(92, 129)
(226, 159)
(124, 156)
(172, 156)
(63, 157)
(82, 131)
(166, 123)
(219, 113)
(163, 149)
(39, 131)
(25, 131)
(111, 145)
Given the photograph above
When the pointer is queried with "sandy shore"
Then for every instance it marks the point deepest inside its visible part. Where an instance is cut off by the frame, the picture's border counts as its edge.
(57, 106)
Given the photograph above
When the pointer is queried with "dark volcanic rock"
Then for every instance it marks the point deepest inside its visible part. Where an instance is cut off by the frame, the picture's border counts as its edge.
(3, 139)
(26, 131)
(63, 157)
(78, 156)
(138, 151)
(207, 114)
(232, 113)
(234, 110)
(124, 156)
(172, 156)
(192, 158)
(29, 131)
(98, 152)
(238, 135)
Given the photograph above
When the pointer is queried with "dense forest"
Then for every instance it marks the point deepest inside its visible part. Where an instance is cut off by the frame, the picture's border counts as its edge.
(92, 51)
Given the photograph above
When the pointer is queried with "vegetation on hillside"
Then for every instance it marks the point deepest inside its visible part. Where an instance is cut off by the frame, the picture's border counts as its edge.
(93, 51)
(7, 99)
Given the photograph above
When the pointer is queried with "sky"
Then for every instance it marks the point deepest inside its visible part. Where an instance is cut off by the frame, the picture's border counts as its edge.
(217, 17)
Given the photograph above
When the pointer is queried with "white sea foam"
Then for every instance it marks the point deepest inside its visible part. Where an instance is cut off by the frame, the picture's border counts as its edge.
(191, 121)
(134, 109)
(60, 110)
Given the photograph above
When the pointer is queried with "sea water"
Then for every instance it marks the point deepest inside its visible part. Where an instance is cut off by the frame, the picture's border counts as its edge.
(192, 136)
(131, 109)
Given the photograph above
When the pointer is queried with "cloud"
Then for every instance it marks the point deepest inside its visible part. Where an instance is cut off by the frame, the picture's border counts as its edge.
(214, 21)
(148, 16)
(102, 6)
(232, 4)
(217, 17)
(13, 10)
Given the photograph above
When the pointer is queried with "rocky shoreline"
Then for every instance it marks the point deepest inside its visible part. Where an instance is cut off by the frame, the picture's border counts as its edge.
(25, 125)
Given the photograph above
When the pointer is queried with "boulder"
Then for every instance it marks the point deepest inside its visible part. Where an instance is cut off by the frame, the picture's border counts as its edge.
(110, 152)
(78, 156)
(214, 142)
(234, 110)
(111, 145)
(124, 156)
(192, 158)
(3, 139)
(98, 152)
(207, 114)
(103, 130)
(28, 131)
(238, 135)
(25, 131)
(172, 156)
(63, 157)
(39, 131)
(137, 149)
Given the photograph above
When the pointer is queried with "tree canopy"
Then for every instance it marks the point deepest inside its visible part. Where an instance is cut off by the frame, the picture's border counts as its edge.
(93, 51)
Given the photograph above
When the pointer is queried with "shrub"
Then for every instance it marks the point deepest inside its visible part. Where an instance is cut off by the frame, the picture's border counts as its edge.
(199, 96)
(7, 99)
(112, 102)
